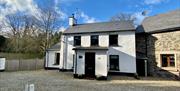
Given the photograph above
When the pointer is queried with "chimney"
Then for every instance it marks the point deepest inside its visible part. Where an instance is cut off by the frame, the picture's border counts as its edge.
(72, 20)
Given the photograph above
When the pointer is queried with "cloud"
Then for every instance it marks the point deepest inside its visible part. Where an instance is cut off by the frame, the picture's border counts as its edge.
(13, 6)
(62, 29)
(86, 18)
(139, 18)
(148, 2)
(58, 10)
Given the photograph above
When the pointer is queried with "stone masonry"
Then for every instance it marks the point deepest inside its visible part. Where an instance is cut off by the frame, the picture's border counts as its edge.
(157, 44)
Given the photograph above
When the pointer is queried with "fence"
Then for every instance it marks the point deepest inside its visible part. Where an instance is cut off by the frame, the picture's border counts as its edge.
(21, 65)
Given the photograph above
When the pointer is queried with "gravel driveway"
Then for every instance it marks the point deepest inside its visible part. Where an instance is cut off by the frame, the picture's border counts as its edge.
(63, 81)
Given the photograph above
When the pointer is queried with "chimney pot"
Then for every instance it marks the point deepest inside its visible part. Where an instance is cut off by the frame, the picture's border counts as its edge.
(72, 20)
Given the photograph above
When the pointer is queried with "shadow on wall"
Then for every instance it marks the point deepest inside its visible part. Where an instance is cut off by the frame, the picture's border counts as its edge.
(154, 70)
(145, 47)
(127, 62)
(70, 53)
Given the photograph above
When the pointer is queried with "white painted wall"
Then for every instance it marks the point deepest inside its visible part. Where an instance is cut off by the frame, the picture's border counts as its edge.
(125, 50)
(2, 63)
(70, 53)
(50, 59)
(104, 40)
(85, 41)
(80, 63)
(101, 62)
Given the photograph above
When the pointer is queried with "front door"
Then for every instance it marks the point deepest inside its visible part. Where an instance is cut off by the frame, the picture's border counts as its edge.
(89, 64)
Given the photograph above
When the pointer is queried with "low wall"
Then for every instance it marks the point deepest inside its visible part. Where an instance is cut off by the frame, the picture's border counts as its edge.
(22, 65)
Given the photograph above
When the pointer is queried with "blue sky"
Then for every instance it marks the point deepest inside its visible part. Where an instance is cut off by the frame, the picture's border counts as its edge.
(90, 10)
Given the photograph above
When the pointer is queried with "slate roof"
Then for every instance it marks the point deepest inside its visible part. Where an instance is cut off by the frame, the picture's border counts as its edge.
(161, 22)
(55, 47)
(101, 27)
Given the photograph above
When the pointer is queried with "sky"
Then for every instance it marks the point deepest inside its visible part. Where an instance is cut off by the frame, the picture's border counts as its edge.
(89, 11)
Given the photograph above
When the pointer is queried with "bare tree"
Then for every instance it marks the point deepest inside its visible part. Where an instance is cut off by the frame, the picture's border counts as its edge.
(123, 17)
(32, 34)
(49, 23)
(14, 23)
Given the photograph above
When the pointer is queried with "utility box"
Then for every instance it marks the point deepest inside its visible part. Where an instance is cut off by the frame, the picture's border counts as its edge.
(2, 64)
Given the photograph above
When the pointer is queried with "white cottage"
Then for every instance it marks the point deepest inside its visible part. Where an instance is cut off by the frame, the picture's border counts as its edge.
(53, 57)
(95, 49)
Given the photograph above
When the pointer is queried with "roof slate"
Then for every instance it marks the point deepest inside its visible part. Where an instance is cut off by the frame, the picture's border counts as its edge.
(160, 22)
(55, 47)
(101, 27)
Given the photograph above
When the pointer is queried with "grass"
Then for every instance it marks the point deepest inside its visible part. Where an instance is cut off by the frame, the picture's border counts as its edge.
(10, 56)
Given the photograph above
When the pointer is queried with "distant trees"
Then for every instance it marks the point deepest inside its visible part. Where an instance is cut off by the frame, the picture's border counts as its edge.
(123, 17)
(28, 34)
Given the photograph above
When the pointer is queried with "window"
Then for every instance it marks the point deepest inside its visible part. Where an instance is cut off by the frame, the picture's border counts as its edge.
(80, 57)
(114, 62)
(57, 58)
(94, 40)
(77, 40)
(167, 60)
(113, 40)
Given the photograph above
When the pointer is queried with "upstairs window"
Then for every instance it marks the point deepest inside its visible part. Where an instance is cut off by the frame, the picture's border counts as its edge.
(77, 40)
(167, 60)
(94, 40)
(113, 40)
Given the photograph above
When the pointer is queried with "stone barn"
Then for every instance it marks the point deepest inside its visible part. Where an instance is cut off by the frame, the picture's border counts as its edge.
(158, 39)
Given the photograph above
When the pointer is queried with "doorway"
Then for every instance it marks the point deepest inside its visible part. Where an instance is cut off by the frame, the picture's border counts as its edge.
(57, 59)
(90, 64)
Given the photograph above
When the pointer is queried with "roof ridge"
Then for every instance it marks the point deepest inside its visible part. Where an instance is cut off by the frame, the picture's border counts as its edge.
(165, 13)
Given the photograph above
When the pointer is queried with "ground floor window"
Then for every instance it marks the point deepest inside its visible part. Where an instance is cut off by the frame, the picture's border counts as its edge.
(167, 60)
(57, 59)
(114, 62)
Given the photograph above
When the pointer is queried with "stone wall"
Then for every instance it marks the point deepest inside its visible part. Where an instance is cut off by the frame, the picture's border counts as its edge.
(157, 44)
(163, 43)
(141, 43)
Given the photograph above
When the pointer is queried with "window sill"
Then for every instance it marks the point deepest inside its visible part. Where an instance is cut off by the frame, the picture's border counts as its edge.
(77, 45)
(94, 45)
(113, 45)
(114, 70)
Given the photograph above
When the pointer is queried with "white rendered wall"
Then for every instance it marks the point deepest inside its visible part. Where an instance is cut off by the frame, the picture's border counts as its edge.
(126, 52)
(80, 63)
(85, 41)
(125, 49)
(104, 40)
(62, 52)
(2, 63)
(101, 63)
(70, 52)
(50, 59)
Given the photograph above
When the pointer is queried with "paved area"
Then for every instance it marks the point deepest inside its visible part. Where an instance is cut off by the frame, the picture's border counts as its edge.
(63, 81)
